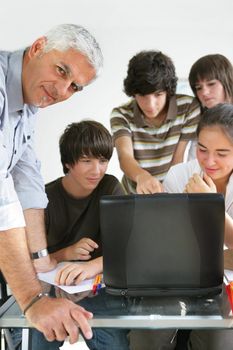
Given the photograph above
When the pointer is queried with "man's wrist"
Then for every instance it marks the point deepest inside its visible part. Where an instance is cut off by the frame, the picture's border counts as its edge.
(40, 254)
(34, 300)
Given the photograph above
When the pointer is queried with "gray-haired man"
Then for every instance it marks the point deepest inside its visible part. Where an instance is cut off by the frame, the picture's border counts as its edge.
(51, 70)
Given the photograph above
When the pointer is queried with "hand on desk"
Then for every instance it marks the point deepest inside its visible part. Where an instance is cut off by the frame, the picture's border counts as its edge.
(58, 318)
(74, 273)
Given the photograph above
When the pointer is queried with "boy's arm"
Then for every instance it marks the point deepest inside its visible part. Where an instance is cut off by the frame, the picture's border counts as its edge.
(146, 183)
(78, 251)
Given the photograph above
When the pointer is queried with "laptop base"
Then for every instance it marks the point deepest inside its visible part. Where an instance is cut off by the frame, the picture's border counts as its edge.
(197, 292)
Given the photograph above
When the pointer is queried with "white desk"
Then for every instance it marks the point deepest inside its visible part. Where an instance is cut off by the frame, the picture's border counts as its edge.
(141, 312)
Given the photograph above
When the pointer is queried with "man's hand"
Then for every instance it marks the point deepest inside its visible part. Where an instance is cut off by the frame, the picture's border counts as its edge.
(197, 184)
(45, 264)
(59, 318)
(147, 184)
(81, 250)
(73, 273)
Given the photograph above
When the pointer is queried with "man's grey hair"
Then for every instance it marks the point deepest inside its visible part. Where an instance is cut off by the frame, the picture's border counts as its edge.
(66, 36)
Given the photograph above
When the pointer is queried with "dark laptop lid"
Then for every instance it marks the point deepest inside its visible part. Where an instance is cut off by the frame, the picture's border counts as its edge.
(163, 243)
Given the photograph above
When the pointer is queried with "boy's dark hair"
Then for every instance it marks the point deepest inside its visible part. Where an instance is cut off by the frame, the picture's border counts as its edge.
(211, 67)
(148, 72)
(220, 115)
(86, 138)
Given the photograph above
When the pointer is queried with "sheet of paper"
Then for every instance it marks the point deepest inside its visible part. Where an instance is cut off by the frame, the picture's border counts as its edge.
(49, 277)
(229, 275)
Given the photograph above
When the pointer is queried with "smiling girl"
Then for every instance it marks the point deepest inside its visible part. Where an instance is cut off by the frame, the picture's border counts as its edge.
(210, 172)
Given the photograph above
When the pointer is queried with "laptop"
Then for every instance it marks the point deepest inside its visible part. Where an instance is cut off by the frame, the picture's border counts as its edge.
(163, 244)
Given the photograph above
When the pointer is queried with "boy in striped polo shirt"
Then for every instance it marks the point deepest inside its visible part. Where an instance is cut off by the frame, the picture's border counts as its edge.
(152, 130)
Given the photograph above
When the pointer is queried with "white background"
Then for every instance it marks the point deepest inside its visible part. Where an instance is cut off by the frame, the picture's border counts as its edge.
(183, 29)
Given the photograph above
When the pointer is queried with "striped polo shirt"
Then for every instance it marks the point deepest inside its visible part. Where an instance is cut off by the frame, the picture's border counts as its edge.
(154, 146)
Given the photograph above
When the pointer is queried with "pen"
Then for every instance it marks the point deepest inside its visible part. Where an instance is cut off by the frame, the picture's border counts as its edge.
(96, 279)
(99, 286)
(96, 284)
(229, 290)
(99, 282)
(94, 288)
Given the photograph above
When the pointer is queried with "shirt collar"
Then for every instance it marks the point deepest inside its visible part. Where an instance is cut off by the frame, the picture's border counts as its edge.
(14, 83)
(139, 117)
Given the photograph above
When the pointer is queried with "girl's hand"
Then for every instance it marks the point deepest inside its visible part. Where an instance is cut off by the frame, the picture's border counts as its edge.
(197, 184)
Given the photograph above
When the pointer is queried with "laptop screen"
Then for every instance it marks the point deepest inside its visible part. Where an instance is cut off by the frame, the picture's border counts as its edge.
(162, 243)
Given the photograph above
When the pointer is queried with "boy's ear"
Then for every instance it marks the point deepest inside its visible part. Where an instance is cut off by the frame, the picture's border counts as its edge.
(67, 166)
(37, 47)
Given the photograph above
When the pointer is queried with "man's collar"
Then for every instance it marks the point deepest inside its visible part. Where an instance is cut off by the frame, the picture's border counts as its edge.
(14, 86)
(14, 82)
(139, 117)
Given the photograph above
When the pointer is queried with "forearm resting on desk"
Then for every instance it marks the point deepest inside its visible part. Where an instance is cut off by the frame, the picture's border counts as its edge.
(74, 273)
(56, 318)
